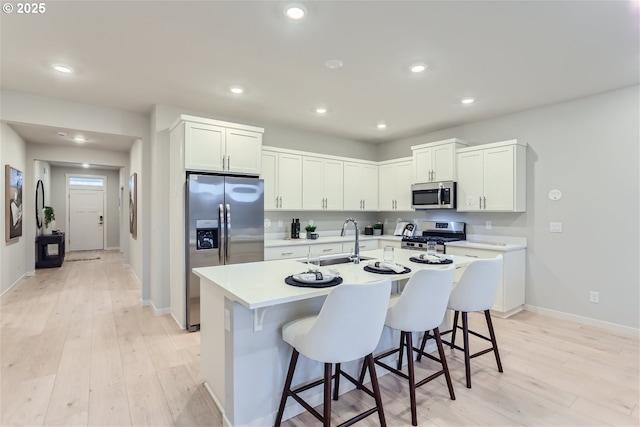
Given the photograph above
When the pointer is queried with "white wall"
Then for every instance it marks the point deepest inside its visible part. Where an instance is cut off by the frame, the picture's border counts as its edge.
(589, 149)
(136, 243)
(13, 152)
(112, 210)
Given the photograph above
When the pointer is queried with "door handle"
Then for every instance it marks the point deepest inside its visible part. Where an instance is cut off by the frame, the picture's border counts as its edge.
(227, 240)
(220, 231)
(101, 220)
(229, 162)
(484, 199)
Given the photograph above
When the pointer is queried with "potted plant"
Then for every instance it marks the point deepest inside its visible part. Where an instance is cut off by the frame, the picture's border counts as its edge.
(49, 219)
(311, 234)
(377, 229)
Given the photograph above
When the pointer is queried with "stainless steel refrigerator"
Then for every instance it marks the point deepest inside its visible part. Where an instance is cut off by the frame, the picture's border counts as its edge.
(225, 225)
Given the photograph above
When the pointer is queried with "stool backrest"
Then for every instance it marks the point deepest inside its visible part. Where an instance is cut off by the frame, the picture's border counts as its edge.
(350, 323)
(477, 288)
(423, 302)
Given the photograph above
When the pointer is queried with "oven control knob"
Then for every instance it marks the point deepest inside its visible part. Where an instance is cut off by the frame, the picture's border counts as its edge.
(420, 245)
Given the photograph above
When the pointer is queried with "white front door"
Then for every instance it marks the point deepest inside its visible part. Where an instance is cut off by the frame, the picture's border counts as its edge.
(86, 219)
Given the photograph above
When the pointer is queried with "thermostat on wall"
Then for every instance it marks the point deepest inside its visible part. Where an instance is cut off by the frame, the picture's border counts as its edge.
(555, 194)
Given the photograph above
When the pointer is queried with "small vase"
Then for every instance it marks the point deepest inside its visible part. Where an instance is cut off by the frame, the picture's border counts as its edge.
(377, 232)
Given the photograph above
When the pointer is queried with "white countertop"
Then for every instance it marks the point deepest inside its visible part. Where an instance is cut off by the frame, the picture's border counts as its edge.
(492, 243)
(274, 243)
(261, 284)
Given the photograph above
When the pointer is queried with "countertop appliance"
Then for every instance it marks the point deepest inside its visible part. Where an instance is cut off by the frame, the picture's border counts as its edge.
(439, 231)
(224, 225)
(434, 195)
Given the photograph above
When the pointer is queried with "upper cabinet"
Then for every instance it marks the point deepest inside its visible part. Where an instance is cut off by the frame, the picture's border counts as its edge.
(217, 146)
(436, 161)
(492, 177)
(394, 178)
(360, 186)
(282, 174)
(322, 183)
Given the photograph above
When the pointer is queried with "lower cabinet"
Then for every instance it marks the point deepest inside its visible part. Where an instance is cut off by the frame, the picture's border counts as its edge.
(511, 292)
(366, 245)
(285, 252)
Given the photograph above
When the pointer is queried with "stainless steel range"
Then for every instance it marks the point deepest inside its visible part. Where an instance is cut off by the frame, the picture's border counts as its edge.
(440, 232)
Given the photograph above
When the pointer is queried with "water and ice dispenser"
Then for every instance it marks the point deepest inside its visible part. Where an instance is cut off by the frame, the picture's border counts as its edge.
(207, 234)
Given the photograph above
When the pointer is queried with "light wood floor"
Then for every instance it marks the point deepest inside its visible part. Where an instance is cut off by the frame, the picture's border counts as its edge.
(77, 349)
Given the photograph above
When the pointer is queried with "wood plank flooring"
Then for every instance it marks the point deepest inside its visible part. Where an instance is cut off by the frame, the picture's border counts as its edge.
(77, 349)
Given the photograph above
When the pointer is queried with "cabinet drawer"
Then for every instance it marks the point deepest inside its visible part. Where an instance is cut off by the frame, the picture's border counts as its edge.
(472, 252)
(367, 245)
(324, 249)
(395, 243)
(285, 252)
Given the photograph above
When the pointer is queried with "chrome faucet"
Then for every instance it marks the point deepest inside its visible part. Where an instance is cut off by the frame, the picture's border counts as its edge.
(356, 249)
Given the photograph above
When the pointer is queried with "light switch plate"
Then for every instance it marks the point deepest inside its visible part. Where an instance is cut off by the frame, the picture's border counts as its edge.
(488, 225)
(555, 227)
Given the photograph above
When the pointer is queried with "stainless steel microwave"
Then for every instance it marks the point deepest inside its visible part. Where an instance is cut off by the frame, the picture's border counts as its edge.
(434, 195)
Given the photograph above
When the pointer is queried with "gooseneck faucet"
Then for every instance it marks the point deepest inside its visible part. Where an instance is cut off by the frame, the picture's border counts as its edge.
(356, 249)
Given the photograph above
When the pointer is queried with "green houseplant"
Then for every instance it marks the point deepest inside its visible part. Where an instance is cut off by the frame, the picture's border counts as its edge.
(311, 234)
(377, 229)
(49, 215)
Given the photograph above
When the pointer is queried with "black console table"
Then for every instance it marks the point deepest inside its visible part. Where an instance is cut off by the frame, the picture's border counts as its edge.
(43, 258)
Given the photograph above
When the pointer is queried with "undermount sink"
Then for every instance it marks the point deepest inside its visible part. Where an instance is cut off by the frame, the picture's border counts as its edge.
(344, 259)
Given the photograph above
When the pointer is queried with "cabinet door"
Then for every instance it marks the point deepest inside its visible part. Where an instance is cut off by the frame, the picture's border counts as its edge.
(352, 186)
(470, 180)
(333, 187)
(369, 185)
(444, 157)
(403, 186)
(204, 146)
(387, 187)
(243, 151)
(269, 174)
(312, 183)
(290, 180)
(499, 179)
(422, 160)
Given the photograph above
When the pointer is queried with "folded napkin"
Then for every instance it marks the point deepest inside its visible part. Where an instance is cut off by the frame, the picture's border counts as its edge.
(310, 276)
(431, 258)
(388, 265)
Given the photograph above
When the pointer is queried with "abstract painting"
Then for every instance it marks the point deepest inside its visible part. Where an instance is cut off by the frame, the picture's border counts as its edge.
(13, 203)
(133, 205)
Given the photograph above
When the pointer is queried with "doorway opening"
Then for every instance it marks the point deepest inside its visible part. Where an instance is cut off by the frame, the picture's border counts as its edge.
(86, 221)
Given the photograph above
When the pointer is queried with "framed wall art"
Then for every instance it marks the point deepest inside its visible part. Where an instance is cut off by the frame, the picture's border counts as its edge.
(133, 205)
(13, 203)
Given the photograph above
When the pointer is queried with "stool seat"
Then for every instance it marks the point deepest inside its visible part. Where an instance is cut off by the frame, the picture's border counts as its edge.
(347, 328)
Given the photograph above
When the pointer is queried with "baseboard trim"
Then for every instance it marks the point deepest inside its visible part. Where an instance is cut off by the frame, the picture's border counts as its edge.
(145, 302)
(16, 282)
(181, 325)
(114, 248)
(160, 311)
(225, 420)
(627, 330)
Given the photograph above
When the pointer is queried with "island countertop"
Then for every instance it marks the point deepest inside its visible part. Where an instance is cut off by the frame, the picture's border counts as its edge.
(261, 284)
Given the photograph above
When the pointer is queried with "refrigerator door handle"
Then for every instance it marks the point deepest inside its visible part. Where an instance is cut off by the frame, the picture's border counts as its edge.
(220, 222)
(227, 236)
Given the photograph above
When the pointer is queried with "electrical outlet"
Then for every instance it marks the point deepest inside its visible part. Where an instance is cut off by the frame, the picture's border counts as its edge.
(555, 227)
(488, 225)
(594, 297)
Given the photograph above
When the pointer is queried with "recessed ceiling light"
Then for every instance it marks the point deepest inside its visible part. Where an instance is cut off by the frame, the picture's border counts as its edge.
(381, 125)
(321, 110)
(467, 100)
(62, 134)
(418, 68)
(236, 89)
(85, 165)
(80, 139)
(334, 63)
(62, 68)
(295, 12)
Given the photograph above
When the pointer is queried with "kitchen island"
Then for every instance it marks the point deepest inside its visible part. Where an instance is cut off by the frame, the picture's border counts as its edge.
(243, 308)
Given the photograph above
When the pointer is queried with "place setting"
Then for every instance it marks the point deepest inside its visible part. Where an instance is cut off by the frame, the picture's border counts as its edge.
(431, 256)
(314, 277)
(387, 265)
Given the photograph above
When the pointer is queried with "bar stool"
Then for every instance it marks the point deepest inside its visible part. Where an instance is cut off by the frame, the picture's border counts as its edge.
(347, 328)
(420, 307)
(476, 291)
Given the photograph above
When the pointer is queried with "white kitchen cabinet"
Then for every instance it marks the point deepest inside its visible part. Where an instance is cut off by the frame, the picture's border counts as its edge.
(322, 183)
(511, 291)
(286, 252)
(492, 177)
(282, 174)
(217, 146)
(360, 187)
(394, 184)
(436, 161)
(326, 249)
(395, 242)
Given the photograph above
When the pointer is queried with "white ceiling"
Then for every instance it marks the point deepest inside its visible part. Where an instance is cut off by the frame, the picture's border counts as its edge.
(509, 55)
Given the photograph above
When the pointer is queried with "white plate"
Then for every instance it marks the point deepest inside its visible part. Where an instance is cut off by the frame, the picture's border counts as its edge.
(310, 278)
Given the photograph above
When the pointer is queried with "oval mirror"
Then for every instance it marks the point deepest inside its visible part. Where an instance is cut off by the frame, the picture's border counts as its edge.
(39, 203)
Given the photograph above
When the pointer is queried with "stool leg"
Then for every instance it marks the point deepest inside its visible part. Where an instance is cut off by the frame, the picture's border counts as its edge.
(443, 360)
(326, 415)
(287, 386)
(336, 385)
(412, 378)
(425, 337)
(492, 334)
(467, 359)
(401, 350)
(362, 373)
(455, 328)
(376, 389)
